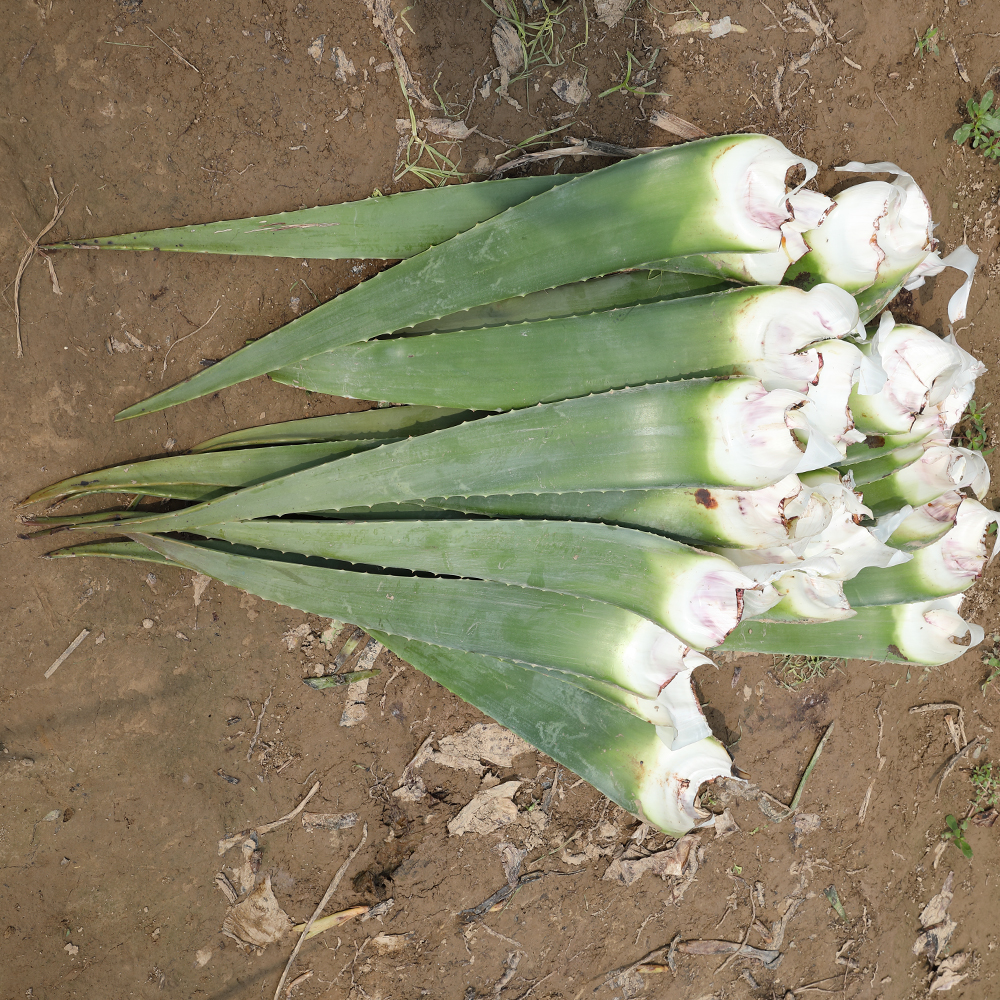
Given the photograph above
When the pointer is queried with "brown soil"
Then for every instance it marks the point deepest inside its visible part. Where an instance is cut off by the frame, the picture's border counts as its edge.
(128, 738)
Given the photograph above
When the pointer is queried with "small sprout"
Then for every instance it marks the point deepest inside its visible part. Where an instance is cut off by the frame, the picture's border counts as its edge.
(643, 79)
(792, 672)
(983, 129)
(737, 869)
(971, 431)
(956, 833)
(834, 901)
(926, 43)
(993, 662)
(986, 785)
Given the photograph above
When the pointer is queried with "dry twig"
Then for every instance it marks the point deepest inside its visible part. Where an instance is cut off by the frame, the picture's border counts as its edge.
(174, 50)
(319, 909)
(267, 828)
(383, 18)
(950, 763)
(185, 337)
(260, 720)
(66, 652)
(29, 253)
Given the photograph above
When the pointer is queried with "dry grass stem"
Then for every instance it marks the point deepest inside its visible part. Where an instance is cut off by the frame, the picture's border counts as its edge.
(383, 18)
(950, 763)
(29, 253)
(185, 337)
(260, 720)
(66, 652)
(174, 50)
(319, 909)
(267, 828)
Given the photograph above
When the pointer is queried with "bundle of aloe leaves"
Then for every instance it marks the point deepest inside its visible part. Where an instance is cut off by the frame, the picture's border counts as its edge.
(641, 414)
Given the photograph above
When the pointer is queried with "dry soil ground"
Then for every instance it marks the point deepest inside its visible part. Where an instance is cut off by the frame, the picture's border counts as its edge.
(113, 792)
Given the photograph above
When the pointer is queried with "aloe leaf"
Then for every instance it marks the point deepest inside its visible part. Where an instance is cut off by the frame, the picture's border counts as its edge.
(572, 634)
(675, 709)
(946, 565)
(879, 446)
(619, 754)
(613, 291)
(697, 516)
(377, 424)
(690, 593)
(727, 333)
(384, 227)
(113, 549)
(196, 477)
(700, 432)
(876, 234)
(932, 472)
(922, 632)
(701, 196)
(575, 720)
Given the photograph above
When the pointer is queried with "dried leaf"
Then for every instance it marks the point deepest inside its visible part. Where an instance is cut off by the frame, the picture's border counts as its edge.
(769, 958)
(258, 920)
(448, 129)
(945, 980)
(329, 821)
(507, 46)
(934, 940)
(485, 741)
(355, 707)
(389, 944)
(199, 583)
(725, 824)
(611, 11)
(412, 791)
(814, 26)
(344, 65)
(714, 29)
(676, 126)
(488, 811)
(937, 909)
(805, 823)
(672, 862)
(954, 962)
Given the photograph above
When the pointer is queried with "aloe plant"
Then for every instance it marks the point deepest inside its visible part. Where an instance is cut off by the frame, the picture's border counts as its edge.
(716, 194)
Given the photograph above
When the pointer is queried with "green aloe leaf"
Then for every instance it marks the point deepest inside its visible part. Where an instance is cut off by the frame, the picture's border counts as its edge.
(662, 204)
(575, 635)
(612, 291)
(384, 227)
(688, 592)
(380, 424)
(691, 433)
(575, 720)
(200, 477)
(548, 360)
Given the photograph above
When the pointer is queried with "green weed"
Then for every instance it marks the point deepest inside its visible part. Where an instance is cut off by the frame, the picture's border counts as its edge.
(993, 662)
(792, 672)
(642, 82)
(983, 129)
(926, 43)
(971, 431)
(956, 833)
(543, 36)
(986, 786)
